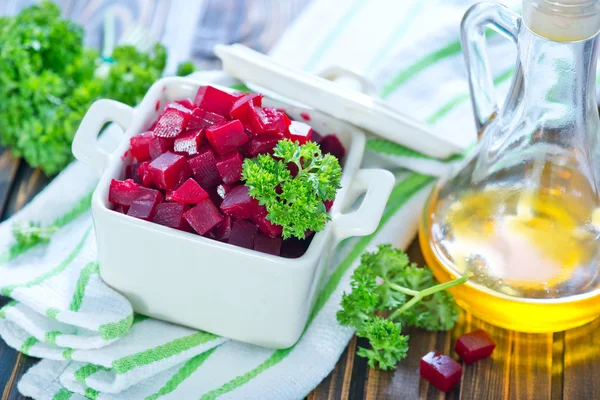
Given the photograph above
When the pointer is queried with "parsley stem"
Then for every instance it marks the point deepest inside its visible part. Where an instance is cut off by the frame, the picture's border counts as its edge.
(429, 291)
(402, 289)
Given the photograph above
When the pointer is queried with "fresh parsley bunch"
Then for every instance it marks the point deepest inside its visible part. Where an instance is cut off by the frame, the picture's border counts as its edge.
(386, 283)
(294, 202)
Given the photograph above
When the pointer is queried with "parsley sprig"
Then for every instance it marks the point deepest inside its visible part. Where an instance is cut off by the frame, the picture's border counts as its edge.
(294, 202)
(387, 283)
(28, 234)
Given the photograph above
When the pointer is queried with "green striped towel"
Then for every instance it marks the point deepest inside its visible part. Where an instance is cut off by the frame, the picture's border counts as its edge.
(94, 347)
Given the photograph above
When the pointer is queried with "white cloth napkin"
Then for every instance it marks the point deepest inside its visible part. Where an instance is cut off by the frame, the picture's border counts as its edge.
(92, 344)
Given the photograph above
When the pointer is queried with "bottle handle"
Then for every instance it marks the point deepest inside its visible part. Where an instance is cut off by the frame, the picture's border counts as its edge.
(481, 83)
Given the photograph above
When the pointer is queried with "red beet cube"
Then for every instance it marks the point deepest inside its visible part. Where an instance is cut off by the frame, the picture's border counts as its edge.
(203, 217)
(187, 103)
(474, 346)
(189, 143)
(328, 204)
(330, 144)
(267, 226)
(230, 167)
(144, 174)
(172, 121)
(171, 215)
(122, 192)
(295, 248)
(316, 137)
(121, 209)
(299, 132)
(274, 121)
(222, 231)
(440, 370)
(214, 100)
(223, 189)
(266, 244)
(201, 119)
(160, 145)
(238, 203)
(189, 193)
(263, 143)
(144, 206)
(204, 167)
(140, 146)
(132, 172)
(242, 105)
(243, 233)
(169, 170)
(226, 137)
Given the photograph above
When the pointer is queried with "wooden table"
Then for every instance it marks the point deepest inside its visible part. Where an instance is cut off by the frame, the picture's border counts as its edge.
(524, 366)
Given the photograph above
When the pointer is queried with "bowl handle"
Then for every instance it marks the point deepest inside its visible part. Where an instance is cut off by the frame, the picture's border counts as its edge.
(84, 147)
(377, 184)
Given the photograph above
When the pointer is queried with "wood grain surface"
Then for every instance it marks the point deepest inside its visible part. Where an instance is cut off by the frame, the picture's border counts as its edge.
(564, 365)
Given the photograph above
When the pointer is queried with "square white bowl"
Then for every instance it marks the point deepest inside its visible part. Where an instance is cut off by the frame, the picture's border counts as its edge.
(206, 284)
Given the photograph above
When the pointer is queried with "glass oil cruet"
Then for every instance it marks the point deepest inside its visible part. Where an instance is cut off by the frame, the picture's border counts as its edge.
(522, 211)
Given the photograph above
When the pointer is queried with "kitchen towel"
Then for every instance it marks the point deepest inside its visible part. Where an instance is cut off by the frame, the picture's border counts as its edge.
(410, 50)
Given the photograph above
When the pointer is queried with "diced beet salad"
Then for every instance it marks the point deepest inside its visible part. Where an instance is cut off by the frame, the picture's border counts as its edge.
(186, 170)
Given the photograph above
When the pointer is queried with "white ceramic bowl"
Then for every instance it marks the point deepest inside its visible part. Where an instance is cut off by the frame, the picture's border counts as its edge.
(202, 283)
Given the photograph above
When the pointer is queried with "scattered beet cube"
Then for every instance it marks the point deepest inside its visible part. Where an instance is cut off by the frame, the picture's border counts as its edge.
(140, 146)
(474, 346)
(132, 172)
(267, 244)
(238, 203)
(203, 216)
(214, 100)
(201, 119)
(241, 106)
(160, 145)
(226, 137)
(187, 103)
(204, 167)
(440, 370)
(222, 231)
(144, 205)
(243, 233)
(274, 121)
(172, 121)
(295, 248)
(263, 143)
(189, 193)
(332, 145)
(144, 174)
(299, 132)
(169, 170)
(223, 189)
(267, 226)
(230, 167)
(171, 215)
(189, 143)
(122, 192)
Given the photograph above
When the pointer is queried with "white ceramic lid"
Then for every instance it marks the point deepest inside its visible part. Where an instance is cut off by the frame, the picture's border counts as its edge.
(353, 106)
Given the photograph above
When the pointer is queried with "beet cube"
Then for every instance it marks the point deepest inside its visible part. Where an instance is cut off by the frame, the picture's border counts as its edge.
(122, 192)
(172, 121)
(144, 206)
(187, 103)
(222, 231)
(440, 370)
(242, 105)
(214, 196)
(330, 144)
(474, 346)
(189, 142)
(230, 167)
(299, 132)
(263, 143)
(132, 172)
(189, 193)
(238, 203)
(201, 119)
(267, 226)
(328, 204)
(295, 248)
(243, 233)
(204, 167)
(140, 146)
(171, 215)
(144, 174)
(214, 100)
(226, 137)
(203, 216)
(121, 209)
(274, 121)
(160, 145)
(267, 244)
(223, 189)
(169, 170)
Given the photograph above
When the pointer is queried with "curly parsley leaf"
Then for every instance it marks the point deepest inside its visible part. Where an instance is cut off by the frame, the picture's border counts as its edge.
(294, 202)
(28, 234)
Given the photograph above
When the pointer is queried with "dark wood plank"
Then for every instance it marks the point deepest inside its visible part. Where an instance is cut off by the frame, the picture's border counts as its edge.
(8, 170)
(582, 362)
(337, 384)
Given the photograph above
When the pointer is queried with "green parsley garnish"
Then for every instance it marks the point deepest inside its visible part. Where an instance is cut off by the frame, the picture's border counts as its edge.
(386, 282)
(294, 202)
(28, 234)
